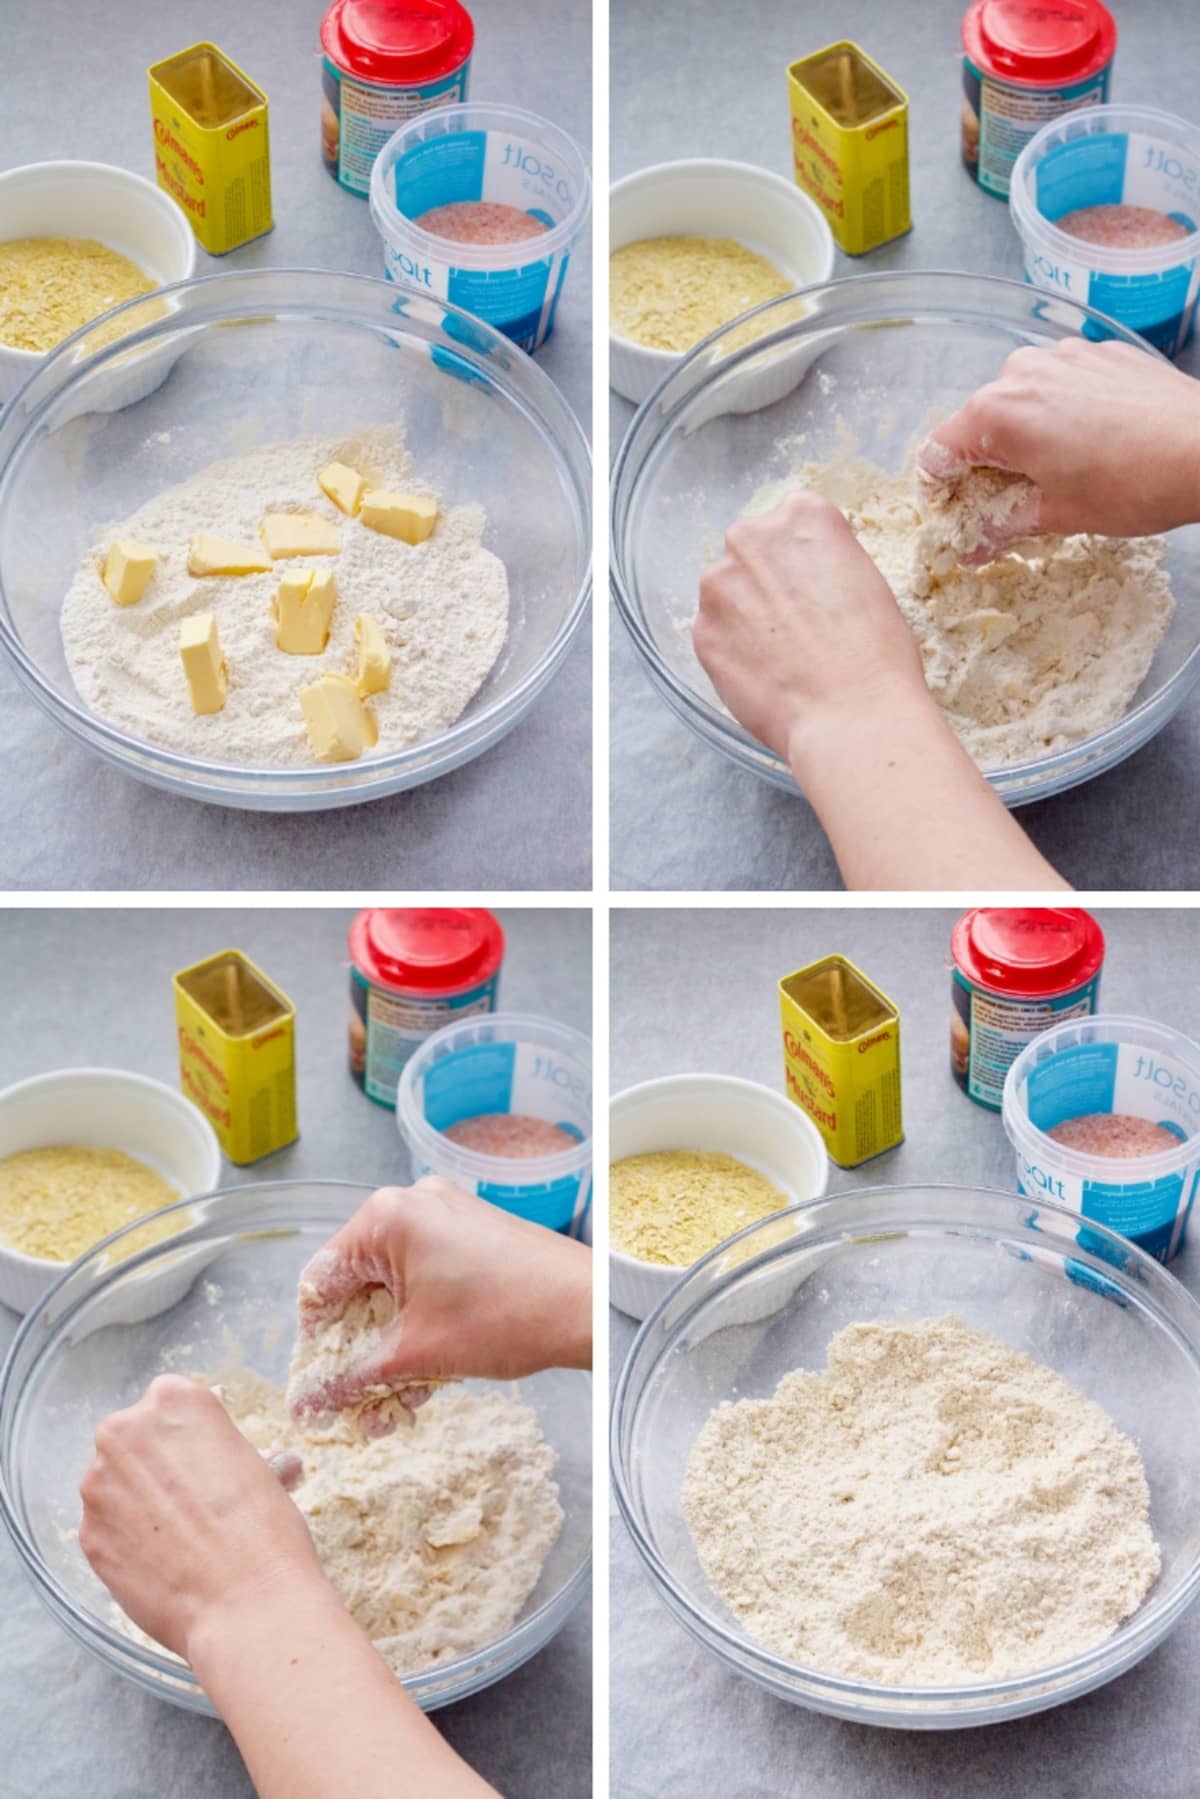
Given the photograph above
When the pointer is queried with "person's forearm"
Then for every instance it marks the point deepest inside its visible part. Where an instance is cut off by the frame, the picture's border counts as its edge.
(904, 806)
(568, 1326)
(315, 1711)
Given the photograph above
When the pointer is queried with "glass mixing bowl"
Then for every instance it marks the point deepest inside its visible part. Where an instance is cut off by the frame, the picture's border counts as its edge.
(101, 1335)
(875, 356)
(245, 358)
(1101, 1313)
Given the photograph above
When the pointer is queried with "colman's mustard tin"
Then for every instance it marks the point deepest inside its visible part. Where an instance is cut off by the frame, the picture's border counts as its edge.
(211, 151)
(841, 1052)
(850, 144)
(237, 1053)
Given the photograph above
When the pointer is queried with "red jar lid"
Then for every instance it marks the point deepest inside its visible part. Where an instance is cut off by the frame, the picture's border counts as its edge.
(1031, 44)
(1028, 952)
(397, 43)
(427, 949)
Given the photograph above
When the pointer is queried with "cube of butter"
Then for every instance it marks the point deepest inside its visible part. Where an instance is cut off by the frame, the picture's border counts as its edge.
(339, 725)
(303, 607)
(408, 516)
(203, 663)
(209, 555)
(374, 670)
(127, 570)
(300, 534)
(343, 485)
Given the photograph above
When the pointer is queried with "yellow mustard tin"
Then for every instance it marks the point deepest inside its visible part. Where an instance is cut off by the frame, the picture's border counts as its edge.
(211, 148)
(841, 1052)
(850, 144)
(237, 1053)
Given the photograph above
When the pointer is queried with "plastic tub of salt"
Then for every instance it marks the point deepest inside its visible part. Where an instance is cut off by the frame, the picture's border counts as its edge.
(1106, 201)
(501, 1105)
(483, 206)
(1104, 1116)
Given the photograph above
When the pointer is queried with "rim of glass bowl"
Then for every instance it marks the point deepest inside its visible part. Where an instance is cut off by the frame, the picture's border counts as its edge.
(439, 1685)
(321, 296)
(885, 296)
(1139, 1281)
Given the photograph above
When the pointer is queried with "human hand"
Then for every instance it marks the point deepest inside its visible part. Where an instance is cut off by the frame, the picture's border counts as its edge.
(1108, 437)
(797, 628)
(477, 1292)
(183, 1520)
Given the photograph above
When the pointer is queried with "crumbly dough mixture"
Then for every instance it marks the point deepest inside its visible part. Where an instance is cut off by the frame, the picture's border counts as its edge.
(322, 1356)
(1035, 650)
(56, 1202)
(434, 1537)
(442, 606)
(933, 1507)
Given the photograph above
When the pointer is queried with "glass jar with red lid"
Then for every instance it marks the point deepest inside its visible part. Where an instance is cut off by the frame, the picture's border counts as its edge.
(1025, 63)
(383, 63)
(1015, 971)
(414, 969)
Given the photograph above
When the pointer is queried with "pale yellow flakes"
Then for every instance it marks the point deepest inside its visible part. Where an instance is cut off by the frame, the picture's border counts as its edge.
(672, 1206)
(52, 286)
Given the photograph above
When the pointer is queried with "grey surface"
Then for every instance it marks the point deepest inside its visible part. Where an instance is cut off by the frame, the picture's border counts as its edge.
(684, 84)
(697, 991)
(518, 817)
(72, 993)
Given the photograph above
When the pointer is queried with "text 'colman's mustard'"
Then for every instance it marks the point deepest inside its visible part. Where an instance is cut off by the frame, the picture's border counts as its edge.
(237, 1053)
(841, 1053)
(211, 150)
(850, 144)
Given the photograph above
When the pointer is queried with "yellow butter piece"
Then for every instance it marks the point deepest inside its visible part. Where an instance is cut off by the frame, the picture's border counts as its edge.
(210, 555)
(300, 534)
(374, 670)
(128, 567)
(339, 725)
(407, 516)
(203, 663)
(343, 485)
(303, 607)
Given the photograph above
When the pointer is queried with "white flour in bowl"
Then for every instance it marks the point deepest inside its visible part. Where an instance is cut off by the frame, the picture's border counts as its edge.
(442, 606)
(1031, 652)
(931, 1508)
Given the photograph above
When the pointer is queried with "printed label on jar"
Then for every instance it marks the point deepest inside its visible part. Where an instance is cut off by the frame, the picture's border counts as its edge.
(357, 119)
(386, 1029)
(998, 121)
(988, 1033)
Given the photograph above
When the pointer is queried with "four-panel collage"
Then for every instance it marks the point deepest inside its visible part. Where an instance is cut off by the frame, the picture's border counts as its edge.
(600, 1080)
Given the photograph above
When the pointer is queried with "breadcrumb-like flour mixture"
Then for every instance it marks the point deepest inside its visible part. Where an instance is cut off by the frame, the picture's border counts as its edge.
(433, 1536)
(334, 1345)
(933, 1507)
(442, 606)
(1035, 650)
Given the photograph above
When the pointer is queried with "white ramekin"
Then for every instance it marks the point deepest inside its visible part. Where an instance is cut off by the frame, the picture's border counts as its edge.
(92, 199)
(102, 1108)
(708, 197)
(715, 1112)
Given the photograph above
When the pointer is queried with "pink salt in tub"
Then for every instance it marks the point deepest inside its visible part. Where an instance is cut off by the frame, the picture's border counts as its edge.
(476, 166)
(481, 222)
(1104, 1116)
(515, 1134)
(501, 1104)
